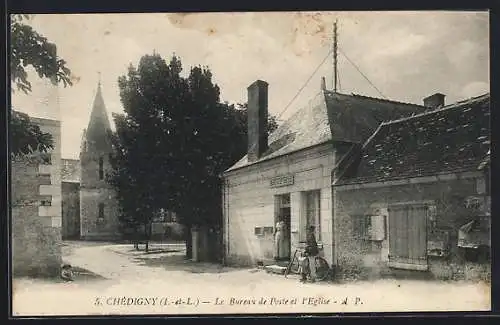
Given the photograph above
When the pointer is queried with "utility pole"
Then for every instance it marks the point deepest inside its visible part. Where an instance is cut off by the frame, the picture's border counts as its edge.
(335, 56)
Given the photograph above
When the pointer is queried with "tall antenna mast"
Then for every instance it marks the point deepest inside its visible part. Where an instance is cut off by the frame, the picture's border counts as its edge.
(335, 56)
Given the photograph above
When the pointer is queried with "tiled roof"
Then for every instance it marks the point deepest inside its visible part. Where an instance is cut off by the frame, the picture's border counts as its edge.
(70, 170)
(485, 163)
(453, 138)
(328, 117)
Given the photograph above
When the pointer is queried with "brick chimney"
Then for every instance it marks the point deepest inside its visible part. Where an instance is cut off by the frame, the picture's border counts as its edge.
(257, 119)
(434, 101)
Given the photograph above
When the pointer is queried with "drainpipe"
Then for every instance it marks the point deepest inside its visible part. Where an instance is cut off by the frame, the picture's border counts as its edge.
(334, 235)
(225, 226)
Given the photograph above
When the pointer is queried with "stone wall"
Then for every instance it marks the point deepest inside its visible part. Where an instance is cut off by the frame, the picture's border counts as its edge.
(54, 168)
(70, 210)
(95, 191)
(36, 228)
(91, 227)
(370, 259)
(35, 241)
(249, 202)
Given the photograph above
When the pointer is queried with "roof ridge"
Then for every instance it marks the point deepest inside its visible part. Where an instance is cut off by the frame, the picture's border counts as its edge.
(435, 111)
(372, 136)
(376, 98)
(468, 100)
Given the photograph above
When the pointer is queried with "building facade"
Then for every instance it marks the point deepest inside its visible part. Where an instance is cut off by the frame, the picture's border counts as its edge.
(416, 196)
(98, 205)
(36, 208)
(288, 177)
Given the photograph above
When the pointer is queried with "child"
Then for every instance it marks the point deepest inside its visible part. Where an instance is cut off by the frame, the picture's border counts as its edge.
(66, 272)
(303, 266)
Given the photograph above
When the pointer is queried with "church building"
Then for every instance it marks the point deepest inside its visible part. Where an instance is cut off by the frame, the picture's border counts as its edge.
(89, 205)
(98, 205)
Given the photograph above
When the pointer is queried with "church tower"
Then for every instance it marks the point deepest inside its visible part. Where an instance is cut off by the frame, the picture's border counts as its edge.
(98, 205)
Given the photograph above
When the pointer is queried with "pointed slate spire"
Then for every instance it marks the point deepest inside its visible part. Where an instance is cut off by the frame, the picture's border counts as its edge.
(99, 126)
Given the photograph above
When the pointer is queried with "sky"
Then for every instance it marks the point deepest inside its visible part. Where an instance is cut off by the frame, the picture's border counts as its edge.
(405, 55)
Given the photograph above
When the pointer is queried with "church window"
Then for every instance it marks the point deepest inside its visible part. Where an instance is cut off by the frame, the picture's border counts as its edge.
(101, 210)
(101, 168)
(100, 215)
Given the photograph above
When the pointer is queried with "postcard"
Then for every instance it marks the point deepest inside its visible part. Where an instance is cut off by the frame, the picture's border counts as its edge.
(250, 163)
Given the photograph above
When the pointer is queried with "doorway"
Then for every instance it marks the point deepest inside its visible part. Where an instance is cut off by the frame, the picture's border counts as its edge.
(282, 212)
(408, 237)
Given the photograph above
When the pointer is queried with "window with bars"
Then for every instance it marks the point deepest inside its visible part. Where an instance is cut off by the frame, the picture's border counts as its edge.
(361, 230)
(361, 226)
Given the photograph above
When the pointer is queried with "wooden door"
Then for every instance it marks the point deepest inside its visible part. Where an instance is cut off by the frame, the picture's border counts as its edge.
(408, 237)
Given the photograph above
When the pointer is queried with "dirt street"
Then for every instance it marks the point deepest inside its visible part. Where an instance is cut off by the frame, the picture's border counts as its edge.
(116, 279)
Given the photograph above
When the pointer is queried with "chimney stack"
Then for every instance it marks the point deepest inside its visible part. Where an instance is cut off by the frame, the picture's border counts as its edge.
(323, 83)
(257, 119)
(434, 101)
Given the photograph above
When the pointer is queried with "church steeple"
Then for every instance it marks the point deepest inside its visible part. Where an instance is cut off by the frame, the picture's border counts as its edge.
(98, 209)
(99, 126)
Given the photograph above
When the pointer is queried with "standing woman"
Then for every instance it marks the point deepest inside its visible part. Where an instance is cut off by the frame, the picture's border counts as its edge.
(279, 239)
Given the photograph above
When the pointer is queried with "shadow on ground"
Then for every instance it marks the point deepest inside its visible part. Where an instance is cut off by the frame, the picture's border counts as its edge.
(176, 261)
(80, 275)
(161, 251)
(83, 275)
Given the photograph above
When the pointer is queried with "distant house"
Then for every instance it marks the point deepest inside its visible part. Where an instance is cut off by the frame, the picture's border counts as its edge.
(289, 175)
(416, 195)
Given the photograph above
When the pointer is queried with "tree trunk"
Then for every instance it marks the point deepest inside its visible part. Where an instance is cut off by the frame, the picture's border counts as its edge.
(135, 239)
(189, 242)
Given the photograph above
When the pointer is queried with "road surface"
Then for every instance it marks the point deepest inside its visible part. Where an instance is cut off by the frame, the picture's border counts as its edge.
(116, 279)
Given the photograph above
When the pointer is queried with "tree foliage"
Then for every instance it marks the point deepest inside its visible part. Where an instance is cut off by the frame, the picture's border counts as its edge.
(173, 142)
(27, 136)
(29, 48)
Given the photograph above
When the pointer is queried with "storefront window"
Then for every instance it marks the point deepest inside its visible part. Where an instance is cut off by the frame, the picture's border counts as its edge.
(312, 211)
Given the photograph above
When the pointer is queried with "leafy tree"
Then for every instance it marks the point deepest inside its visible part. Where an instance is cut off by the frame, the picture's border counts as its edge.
(27, 136)
(29, 48)
(173, 143)
(145, 92)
